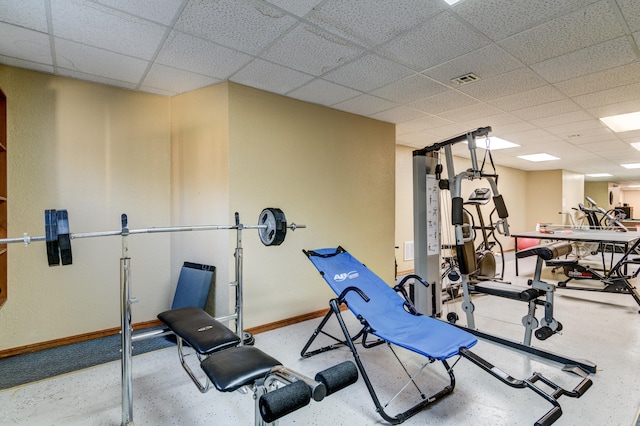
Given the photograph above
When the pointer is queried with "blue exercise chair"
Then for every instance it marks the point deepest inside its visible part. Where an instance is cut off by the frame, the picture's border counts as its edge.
(388, 315)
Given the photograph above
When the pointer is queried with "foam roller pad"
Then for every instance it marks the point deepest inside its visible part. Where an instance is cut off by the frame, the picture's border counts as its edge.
(338, 377)
(284, 400)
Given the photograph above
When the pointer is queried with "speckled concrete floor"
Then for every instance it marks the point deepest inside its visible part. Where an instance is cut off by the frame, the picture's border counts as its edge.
(603, 328)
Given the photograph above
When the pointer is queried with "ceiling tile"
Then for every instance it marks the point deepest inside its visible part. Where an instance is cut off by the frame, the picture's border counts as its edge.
(200, 56)
(95, 78)
(398, 114)
(529, 98)
(601, 147)
(416, 139)
(557, 119)
(526, 137)
(617, 108)
(28, 45)
(426, 122)
(470, 113)
(365, 105)
(368, 72)
(454, 39)
(270, 77)
(485, 62)
(410, 89)
(631, 11)
(221, 20)
(372, 22)
(30, 14)
(612, 53)
(99, 26)
(297, 7)
(19, 63)
(442, 133)
(586, 128)
(162, 11)
(632, 136)
(323, 92)
(593, 137)
(603, 80)
(515, 127)
(442, 102)
(592, 25)
(311, 50)
(90, 60)
(498, 21)
(502, 85)
(610, 96)
(175, 80)
(546, 110)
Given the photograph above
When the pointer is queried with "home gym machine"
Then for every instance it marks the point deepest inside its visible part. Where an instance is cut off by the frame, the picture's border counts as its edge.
(428, 180)
(272, 228)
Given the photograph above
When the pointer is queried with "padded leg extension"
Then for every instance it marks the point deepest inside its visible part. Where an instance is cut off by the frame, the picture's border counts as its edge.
(298, 394)
(230, 367)
(556, 411)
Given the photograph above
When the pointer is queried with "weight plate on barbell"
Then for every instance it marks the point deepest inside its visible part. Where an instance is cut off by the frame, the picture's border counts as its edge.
(64, 237)
(275, 228)
(51, 236)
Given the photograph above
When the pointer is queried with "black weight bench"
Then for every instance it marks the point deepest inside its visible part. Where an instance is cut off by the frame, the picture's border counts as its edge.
(277, 390)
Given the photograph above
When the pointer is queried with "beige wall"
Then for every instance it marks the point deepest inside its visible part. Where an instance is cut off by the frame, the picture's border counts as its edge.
(599, 191)
(97, 152)
(189, 160)
(544, 197)
(200, 185)
(329, 170)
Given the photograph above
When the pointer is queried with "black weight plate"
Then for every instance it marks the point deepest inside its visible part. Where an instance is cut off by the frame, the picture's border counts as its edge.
(64, 238)
(276, 226)
(51, 236)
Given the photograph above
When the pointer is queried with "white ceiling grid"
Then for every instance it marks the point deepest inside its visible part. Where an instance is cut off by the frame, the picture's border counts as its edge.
(547, 69)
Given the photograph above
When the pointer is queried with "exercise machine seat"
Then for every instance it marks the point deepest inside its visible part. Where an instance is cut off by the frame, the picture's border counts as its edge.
(236, 367)
(199, 329)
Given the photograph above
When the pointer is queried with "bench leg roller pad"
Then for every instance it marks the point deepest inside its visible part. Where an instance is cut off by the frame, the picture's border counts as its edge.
(283, 401)
(338, 377)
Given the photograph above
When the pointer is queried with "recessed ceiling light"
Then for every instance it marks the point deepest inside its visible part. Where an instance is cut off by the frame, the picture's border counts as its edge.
(623, 122)
(452, 2)
(631, 165)
(538, 157)
(599, 174)
(494, 143)
(636, 145)
(633, 186)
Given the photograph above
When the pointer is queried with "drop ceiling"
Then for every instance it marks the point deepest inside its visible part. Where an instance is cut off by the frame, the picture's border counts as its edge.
(544, 70)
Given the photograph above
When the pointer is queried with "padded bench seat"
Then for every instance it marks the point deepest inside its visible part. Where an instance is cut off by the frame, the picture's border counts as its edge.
(199, 329)
(233, 368)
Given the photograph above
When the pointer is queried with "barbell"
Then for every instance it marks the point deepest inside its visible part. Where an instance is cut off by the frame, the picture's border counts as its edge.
(272, 229)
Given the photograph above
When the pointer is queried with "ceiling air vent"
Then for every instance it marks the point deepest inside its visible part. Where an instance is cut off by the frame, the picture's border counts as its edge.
(465, 79)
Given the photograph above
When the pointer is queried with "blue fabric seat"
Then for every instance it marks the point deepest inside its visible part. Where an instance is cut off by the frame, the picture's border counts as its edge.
(385, 311)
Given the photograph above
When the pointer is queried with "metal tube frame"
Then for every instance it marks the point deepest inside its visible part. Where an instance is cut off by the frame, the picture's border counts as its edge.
(125, 305)
(126, 328)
